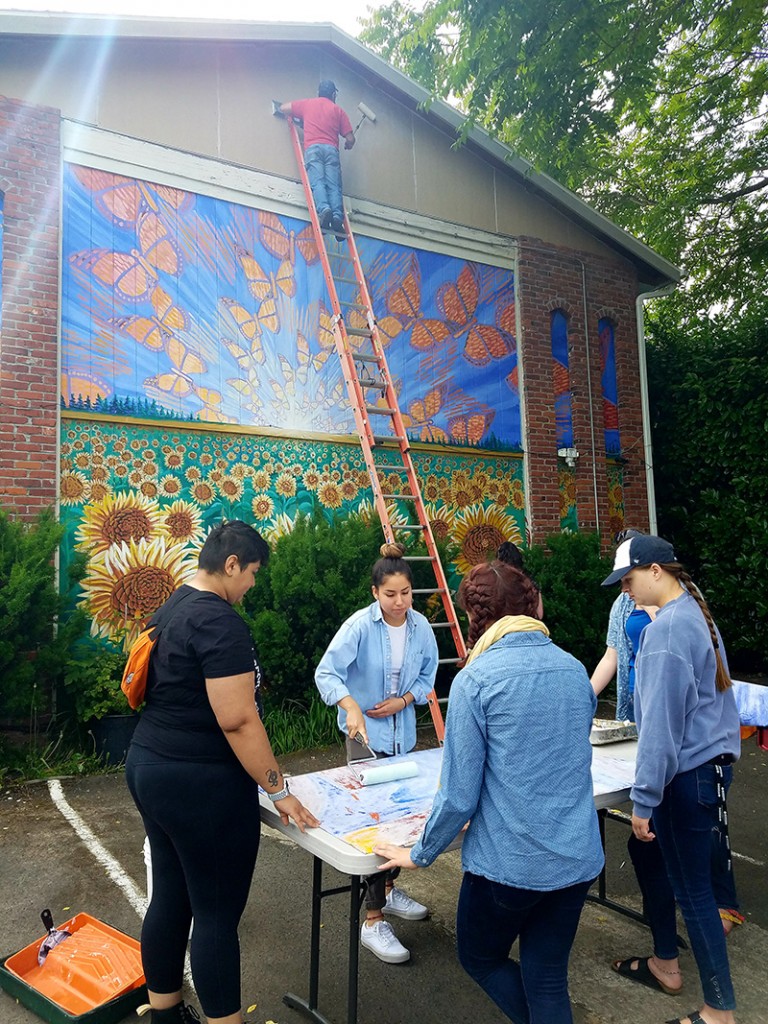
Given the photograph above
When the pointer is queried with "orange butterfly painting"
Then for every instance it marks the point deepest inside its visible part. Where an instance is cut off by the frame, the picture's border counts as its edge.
(282, 244)
(421, 415)
(152, 331)
(404, 302)
(83, 385)
(458, 301)
(122, 199)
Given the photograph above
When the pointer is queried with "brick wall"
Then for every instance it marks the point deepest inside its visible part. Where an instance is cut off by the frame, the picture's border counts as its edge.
(29, 388)
(552, 278)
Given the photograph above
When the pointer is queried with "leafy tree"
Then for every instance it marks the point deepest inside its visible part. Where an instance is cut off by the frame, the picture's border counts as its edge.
(655, 112)
(709, 411)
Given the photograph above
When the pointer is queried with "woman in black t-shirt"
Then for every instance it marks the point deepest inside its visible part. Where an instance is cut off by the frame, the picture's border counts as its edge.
(194, 768)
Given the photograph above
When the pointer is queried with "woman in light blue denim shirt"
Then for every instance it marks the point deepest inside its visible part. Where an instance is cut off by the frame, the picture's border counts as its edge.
(381, 662)
(517, 767)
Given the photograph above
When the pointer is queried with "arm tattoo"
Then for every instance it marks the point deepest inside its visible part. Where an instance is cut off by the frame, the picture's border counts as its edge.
(273, 778)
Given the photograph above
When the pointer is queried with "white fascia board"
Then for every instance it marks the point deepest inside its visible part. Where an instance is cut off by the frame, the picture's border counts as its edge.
(122, 154)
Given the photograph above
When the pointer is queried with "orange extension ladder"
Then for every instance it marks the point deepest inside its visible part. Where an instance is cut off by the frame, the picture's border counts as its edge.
(367, 371)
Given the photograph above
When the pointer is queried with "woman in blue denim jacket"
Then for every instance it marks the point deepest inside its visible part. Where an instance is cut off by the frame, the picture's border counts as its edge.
(381, 662)
(517, 767)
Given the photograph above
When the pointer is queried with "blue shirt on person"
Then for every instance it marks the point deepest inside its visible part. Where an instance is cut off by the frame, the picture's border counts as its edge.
(517, 767)
(358, 663)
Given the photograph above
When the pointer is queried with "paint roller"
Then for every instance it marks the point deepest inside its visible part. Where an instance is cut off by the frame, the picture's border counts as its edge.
(371, 773)
(368, 115)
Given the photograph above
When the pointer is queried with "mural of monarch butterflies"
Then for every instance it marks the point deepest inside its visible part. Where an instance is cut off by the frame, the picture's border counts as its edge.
(562, 378)
(249, 324)
(83, 385)
(122, 199)
(245, 357)
(458, 301)
(421, 415)
(470, 429)
(282, 244)
(258, 280)
(151, 331)
(128, 274)
(512, 380)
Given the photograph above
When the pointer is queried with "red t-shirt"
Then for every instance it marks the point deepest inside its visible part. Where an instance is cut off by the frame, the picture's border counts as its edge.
(324, 121)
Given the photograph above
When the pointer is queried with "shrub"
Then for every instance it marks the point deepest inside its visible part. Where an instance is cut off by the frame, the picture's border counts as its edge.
(569, 569)
(32, 649)
(317, 576)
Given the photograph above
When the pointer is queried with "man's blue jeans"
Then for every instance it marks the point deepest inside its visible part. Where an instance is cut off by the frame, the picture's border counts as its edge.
(324, 173)
(490, 917)
(684, 822)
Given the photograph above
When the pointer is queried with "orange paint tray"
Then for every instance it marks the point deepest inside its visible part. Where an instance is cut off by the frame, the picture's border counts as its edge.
(94, 977)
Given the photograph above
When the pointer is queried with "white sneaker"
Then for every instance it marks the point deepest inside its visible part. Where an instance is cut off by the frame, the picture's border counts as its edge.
(383, 943)
(400, 904)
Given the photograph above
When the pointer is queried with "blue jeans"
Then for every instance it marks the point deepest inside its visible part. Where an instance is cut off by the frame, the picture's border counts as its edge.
(659, 899)
(684, 823)
(490, 917)
(324, 173)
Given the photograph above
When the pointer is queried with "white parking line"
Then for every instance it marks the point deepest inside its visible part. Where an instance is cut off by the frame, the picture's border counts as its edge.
(113, 867)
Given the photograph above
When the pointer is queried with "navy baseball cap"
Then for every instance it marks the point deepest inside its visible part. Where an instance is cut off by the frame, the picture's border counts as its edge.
(641, 550)
(327, 88)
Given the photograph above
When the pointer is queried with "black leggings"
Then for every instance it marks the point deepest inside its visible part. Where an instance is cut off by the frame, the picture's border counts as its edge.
(203, 825)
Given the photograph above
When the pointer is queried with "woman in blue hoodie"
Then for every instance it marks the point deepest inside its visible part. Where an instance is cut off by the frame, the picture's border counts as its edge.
(688, 740)
(381, 662)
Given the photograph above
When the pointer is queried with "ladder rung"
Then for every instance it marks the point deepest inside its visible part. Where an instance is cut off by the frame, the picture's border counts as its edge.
(441, 625)
(383, 438)
(395, 527)
(402, 497)
(379, 410)
(401, 469)
(360, 332)
(443, 700)
(369, 382)
(419, 558)
(353, 305)
(430, 590)
(363, 357)
(345, 280)
(449, 661)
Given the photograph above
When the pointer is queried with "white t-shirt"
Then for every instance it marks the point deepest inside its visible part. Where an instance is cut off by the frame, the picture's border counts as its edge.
(397, 645)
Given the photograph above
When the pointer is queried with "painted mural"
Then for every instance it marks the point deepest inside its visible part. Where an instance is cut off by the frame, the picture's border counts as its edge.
(138, 500)
(194, 331)
(181, 306)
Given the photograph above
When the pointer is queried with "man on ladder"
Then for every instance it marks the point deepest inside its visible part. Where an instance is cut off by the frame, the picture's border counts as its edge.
(324, 121)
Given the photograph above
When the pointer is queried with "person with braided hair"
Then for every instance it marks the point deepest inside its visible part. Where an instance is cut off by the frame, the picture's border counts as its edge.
(532, 847)
(688, 740)
(381, 662)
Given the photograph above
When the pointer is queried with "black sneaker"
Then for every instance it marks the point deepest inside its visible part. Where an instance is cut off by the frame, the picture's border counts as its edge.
(325, 216)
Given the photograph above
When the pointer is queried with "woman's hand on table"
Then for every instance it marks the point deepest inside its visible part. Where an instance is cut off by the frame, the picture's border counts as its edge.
(398, 856)
(387, 708)
(291, 808)
(641, 830)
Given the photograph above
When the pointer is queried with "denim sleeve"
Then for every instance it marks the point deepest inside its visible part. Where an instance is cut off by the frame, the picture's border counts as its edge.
(425, 680)
(332, 671)
(461, 777)
(615, 624)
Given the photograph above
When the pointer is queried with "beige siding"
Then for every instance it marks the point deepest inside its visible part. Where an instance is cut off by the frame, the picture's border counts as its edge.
(214, 99)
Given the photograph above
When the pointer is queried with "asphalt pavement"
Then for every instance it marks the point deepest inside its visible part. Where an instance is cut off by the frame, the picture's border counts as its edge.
(77, 845)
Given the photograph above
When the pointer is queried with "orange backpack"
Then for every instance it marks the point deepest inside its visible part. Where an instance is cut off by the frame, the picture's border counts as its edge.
(136, 672)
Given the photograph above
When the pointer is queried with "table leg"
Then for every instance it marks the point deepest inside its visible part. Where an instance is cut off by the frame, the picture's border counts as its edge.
(602, 897)
(309, 1006)
(355, 898)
